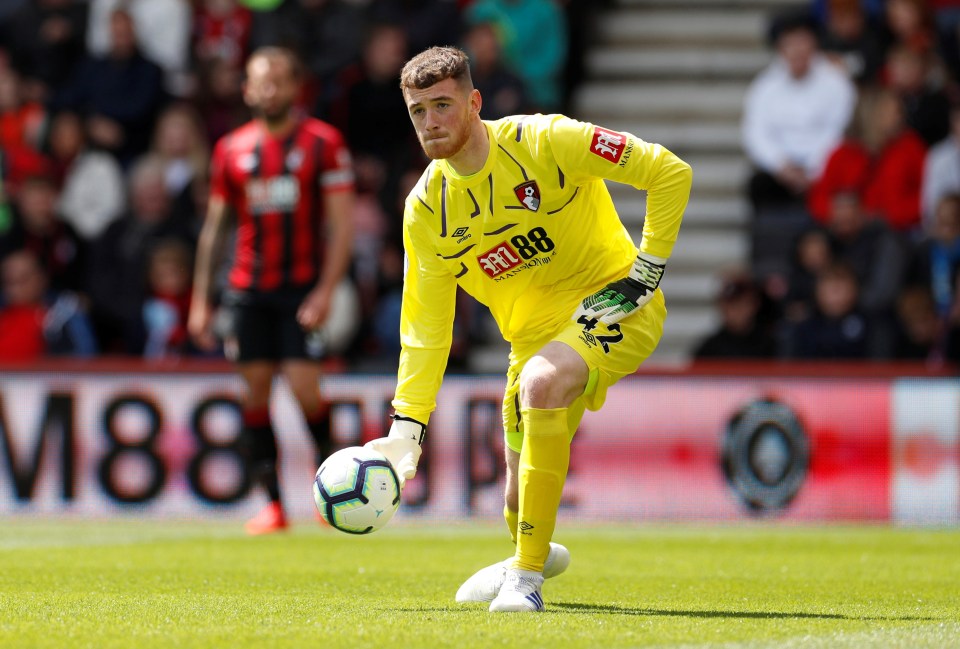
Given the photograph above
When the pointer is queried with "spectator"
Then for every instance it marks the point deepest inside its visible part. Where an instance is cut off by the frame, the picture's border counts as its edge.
(878, 260)
(165, 310)
(221, 31)
(281, 25)
(849, 38)
(21, 120)
(927, 108)
(741, 334)
(368, 96)
(837, 329)
(812, 255)
(882, 160)
(795, 113)
(179, 141)
(118, 265)
(220, 100)
(432, 22)
(118, 94)
(34, 321)
(937, 259)
(45, 38)
(92, 181)
(21, 126)
(947, 17)
(910, 23)
(941, 169)
(334, 30)
(385, 327)
(539, 61)
(502, 91)
(162, 31)
(39, 229)
(921, 333)
(873, 9)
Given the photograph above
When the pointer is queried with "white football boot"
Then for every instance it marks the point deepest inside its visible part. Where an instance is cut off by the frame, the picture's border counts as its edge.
(520, 593)
(484, 585)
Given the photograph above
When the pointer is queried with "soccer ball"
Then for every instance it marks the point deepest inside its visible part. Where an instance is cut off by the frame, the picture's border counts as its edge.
(356, 490)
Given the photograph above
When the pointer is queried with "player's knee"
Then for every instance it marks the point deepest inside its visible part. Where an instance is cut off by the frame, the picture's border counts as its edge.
(542, 386)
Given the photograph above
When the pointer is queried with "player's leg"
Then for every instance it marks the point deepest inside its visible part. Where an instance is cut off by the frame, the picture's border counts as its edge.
(259, 443)
(301, 367)
(253, 348)
(303, 377)
(486, 583)
(549, 383)
(607, 354)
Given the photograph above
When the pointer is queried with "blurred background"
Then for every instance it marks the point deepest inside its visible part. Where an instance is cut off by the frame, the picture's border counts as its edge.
(806, 366)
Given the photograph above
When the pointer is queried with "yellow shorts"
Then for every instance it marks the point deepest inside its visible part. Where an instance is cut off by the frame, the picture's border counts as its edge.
(610, 354)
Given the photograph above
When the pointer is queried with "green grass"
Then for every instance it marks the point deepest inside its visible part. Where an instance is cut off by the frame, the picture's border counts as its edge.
(179, 584)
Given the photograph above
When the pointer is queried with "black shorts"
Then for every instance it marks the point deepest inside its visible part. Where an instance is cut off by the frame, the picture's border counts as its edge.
(263, 326)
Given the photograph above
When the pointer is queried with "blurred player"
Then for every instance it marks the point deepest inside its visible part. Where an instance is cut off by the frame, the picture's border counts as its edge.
(289, 181)
(516, 212)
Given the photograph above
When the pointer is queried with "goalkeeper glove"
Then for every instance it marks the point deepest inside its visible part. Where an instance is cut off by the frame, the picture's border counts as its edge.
(401, 446)
(619, 299)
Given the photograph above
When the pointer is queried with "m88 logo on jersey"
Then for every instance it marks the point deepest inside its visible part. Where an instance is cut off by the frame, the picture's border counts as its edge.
(507, 255)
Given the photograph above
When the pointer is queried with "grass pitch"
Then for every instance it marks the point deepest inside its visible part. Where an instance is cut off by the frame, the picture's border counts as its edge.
(186, 584)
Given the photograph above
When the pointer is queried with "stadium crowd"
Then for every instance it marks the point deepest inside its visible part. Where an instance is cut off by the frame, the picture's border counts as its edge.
(109, 110)
(853, 131)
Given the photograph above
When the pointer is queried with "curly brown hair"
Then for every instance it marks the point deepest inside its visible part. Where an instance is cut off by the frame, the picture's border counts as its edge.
(435, 65)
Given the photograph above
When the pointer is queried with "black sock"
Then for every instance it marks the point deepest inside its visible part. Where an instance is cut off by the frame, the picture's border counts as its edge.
(260, 448)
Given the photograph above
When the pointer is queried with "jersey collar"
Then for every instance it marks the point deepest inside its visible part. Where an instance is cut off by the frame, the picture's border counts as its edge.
(474, 179)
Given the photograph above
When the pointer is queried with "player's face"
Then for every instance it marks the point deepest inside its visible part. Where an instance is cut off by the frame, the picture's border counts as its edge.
(441, 116)
(271, 87)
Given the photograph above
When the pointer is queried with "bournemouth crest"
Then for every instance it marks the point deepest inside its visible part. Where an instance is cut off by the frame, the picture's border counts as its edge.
(528, 194)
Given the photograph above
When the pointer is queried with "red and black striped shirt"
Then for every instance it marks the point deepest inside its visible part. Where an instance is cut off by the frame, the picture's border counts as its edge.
(276, 187)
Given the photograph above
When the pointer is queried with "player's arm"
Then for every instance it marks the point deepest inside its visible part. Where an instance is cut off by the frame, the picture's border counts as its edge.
(426, 333)
(209, 247)
(585, 152)
(338, 207)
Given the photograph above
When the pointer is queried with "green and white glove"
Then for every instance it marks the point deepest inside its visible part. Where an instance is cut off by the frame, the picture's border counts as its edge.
(619, 299)
(401, 446)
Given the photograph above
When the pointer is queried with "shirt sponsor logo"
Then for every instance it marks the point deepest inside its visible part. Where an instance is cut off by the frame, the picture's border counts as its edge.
(278, 194)
(499, 259)
(528, 194)
(607, 144)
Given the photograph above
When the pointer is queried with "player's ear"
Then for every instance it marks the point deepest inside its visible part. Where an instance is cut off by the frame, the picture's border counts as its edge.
(476, 101)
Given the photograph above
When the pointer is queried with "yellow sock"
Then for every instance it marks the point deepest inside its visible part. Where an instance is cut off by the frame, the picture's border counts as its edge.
(512, 519)
(544, 459)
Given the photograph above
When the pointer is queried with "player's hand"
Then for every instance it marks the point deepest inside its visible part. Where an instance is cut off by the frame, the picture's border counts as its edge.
(401, 446)
(314, 309)
(619, 299)
(199, 325)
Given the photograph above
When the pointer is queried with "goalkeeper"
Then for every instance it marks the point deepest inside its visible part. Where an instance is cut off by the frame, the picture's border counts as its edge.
(516, 212)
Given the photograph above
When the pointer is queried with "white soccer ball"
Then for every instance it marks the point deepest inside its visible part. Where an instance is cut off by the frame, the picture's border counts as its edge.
(356, 490)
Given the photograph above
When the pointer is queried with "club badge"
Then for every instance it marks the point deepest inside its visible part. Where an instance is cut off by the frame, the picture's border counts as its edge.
(528, 194)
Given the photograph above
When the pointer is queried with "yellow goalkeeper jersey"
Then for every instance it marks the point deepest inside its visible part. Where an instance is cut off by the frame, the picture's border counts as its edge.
(529, 235)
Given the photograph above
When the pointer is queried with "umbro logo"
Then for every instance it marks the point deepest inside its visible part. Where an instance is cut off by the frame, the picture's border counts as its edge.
(461, 234)
(525, 526)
